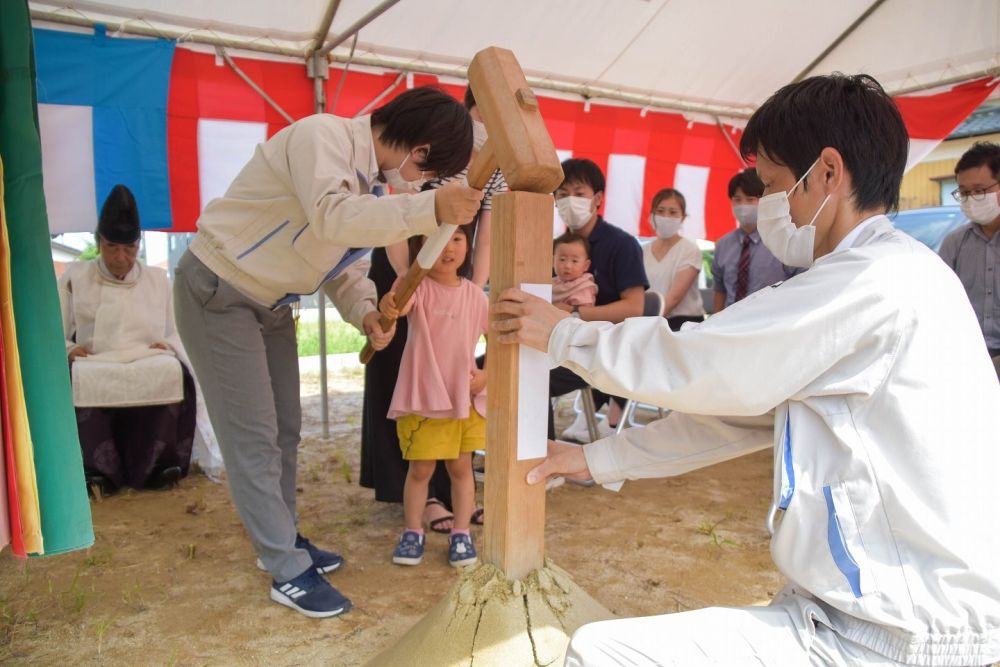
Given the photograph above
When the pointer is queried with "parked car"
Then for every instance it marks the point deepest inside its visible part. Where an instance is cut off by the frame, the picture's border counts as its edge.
(929, 225)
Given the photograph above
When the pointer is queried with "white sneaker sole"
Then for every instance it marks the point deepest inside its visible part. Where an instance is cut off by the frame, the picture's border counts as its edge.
(321, 570)
(463, 563)
(402, 560)
(284, 600)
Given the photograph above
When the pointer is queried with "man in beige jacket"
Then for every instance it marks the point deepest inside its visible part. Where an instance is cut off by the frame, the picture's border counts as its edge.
(293, 221)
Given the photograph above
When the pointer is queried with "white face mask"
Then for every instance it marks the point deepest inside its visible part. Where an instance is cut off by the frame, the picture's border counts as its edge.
(745, 214)
(791, 245)
(479, 135)
(576, 212)
(982, 212)
(665, 227)
(396, 180)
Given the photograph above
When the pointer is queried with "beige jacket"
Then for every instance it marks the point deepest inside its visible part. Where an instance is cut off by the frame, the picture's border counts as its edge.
(295, 209)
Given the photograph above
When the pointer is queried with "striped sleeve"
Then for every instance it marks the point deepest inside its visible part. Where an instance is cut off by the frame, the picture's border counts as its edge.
(495, 184)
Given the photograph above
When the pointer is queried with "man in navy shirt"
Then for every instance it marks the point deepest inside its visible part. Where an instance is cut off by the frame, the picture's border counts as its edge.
(615, 261)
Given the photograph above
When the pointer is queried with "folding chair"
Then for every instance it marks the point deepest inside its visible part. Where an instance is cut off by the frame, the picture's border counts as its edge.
(652, 307)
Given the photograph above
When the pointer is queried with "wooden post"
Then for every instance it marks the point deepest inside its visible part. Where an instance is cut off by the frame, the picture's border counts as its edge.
(521, 252)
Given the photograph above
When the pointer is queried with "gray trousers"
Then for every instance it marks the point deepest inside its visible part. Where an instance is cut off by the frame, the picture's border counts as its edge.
(246, 360)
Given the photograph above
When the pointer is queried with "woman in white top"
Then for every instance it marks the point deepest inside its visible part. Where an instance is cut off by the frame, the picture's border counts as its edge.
(672, 262)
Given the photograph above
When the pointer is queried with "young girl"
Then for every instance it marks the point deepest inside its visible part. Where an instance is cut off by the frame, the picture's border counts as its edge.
(672, 262)
(440, 400)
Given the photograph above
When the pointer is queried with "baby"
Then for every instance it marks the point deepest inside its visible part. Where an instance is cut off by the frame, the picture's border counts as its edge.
(572, 284)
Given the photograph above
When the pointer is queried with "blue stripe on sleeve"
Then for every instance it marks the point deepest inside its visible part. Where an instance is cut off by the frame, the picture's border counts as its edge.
(838, 547)
(788, 479)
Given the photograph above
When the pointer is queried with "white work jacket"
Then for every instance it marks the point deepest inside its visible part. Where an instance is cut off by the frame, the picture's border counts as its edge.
(870, 378)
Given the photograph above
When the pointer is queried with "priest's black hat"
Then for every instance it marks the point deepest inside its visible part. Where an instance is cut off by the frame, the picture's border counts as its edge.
(119, 221)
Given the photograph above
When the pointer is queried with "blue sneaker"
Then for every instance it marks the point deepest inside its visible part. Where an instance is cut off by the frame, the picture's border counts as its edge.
(324, 561)
(410, 550)
(311, 595)
(461, 551)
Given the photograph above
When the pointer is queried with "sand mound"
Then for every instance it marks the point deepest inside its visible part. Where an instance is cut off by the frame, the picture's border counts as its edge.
(490, 620)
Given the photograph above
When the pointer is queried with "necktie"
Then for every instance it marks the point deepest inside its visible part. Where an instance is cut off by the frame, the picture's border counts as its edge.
(743, 270)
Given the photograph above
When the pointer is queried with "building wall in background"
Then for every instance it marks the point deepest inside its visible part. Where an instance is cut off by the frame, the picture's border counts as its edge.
(922, 185)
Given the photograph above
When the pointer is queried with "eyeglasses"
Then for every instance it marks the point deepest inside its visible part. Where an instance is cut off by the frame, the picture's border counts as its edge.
(978, 195)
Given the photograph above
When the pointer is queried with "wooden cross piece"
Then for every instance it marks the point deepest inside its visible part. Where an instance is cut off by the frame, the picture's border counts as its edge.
(520, 252)
(518, 144)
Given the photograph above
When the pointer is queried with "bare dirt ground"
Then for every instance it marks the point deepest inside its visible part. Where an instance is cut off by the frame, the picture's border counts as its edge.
(171, 579)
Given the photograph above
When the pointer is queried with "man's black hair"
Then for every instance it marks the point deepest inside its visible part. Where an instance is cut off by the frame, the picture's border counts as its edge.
(470, 99)
(982, 154)
(582, 170)
(852, 114)
(748, 182)
(571, 237)
(427, 115)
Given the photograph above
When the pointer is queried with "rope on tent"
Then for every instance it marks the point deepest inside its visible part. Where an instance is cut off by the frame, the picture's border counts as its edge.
(250, 82)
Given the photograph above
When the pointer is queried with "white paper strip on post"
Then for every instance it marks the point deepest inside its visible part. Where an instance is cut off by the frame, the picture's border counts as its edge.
(533, 391)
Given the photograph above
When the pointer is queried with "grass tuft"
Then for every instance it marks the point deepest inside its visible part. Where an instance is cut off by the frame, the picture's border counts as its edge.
(341, 338)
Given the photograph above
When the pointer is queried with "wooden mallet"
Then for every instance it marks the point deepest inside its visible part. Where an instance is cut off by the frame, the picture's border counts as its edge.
(518, 144)
(526, 616)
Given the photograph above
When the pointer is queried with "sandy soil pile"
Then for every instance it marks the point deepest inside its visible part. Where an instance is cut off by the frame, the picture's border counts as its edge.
(171, 578)
(490, 621)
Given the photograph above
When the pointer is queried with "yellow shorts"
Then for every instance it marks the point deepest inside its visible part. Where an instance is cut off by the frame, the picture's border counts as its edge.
(427, 439)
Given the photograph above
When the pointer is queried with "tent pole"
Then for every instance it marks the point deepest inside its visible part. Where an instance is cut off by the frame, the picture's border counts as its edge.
(377, 11)
(250, 82)
(456, 71)
(179, 36)
(459, 71)
(729, 140)
(324, 27)
(343, 76)
(318, 69)
(381, 96)
(961, 78)
(844, 35)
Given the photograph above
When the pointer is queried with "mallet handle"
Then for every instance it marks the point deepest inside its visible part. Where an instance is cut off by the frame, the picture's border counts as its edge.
(479, 174)
(403, 293)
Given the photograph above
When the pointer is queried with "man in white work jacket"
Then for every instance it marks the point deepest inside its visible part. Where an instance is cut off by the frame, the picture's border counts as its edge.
(869, 377)
(295, 220)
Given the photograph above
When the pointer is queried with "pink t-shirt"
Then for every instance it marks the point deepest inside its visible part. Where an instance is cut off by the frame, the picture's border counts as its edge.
(434, 375)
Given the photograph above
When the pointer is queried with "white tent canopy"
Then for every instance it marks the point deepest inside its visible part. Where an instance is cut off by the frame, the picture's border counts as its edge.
(722, 57)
